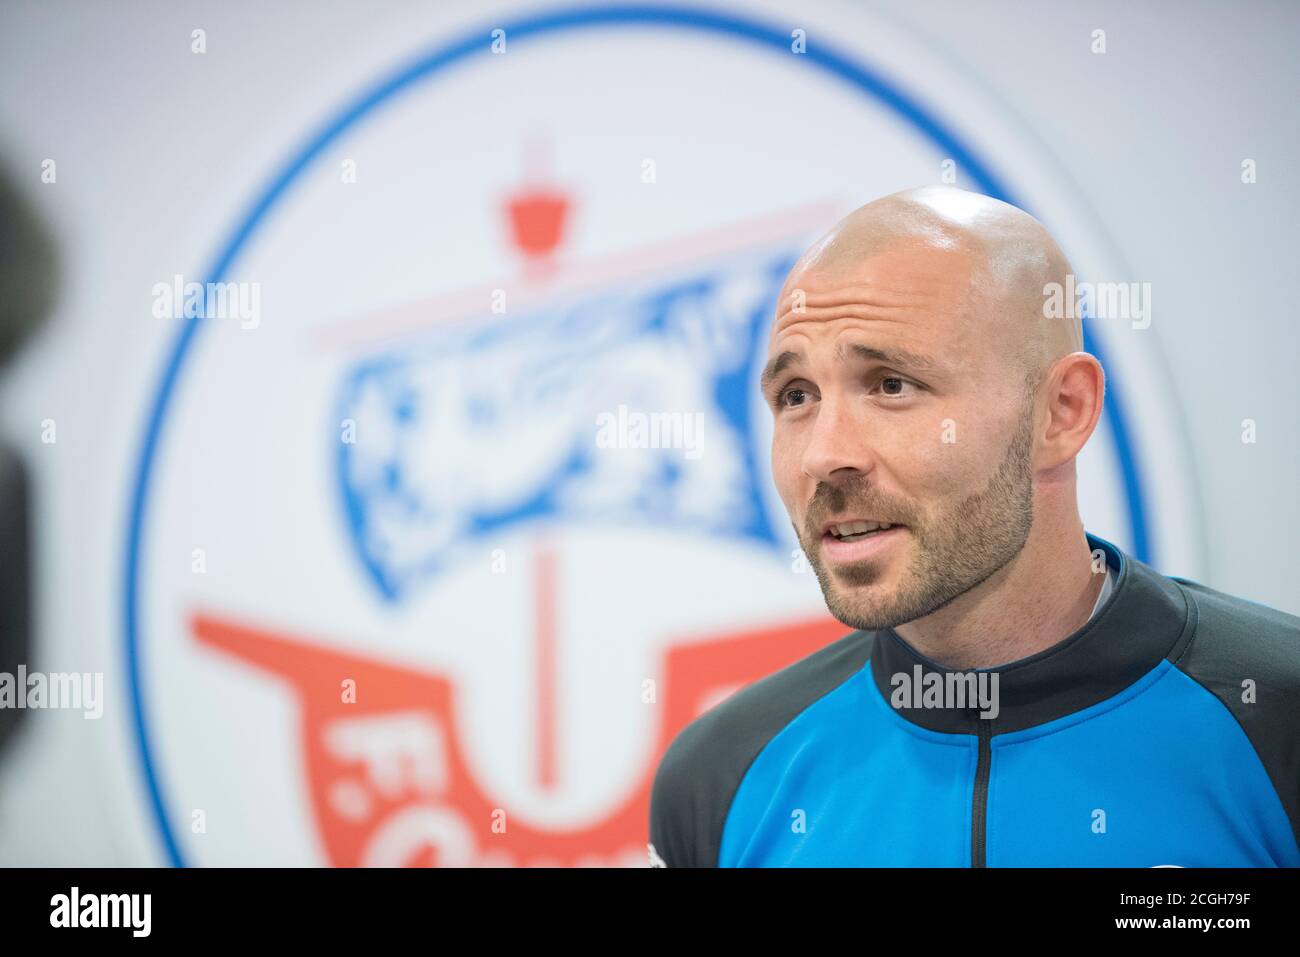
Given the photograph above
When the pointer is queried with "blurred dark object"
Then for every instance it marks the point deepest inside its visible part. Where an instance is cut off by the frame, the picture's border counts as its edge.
(15, 579)
(27, 291)
(28, 262)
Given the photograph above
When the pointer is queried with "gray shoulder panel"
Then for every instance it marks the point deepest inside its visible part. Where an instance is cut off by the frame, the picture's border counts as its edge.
(1238, 646)
(700, 772)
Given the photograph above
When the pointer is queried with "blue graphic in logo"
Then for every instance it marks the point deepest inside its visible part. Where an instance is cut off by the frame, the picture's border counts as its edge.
(436, 417)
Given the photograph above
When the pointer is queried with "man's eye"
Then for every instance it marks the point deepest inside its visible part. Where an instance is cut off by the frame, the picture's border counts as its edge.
(893, 385)
(785, 395)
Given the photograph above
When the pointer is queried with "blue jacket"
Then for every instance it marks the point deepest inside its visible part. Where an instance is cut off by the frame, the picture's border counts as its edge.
(1166, 731)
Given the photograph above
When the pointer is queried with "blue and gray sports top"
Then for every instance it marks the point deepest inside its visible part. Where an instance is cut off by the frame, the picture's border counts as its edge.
(1165, 731)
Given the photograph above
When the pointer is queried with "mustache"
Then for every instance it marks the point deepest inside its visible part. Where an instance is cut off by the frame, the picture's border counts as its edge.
(855, 498)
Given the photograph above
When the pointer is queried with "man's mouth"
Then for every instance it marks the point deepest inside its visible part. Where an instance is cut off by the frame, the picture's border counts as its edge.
(856, 530)
(858, 540)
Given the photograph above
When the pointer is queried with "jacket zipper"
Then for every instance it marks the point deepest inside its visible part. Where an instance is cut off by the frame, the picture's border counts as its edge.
(980, 802)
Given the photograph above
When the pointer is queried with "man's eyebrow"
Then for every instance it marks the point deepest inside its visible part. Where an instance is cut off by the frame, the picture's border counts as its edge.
(777, 366)
(903, 358)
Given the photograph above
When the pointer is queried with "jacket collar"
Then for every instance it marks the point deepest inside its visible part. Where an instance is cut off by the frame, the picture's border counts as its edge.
(1144, 621)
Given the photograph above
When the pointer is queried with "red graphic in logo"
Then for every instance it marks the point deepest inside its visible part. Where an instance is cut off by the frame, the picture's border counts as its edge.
(388, 776)
(538, 214)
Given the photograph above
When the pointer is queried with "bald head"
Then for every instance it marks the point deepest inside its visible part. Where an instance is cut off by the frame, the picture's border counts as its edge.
(919, 386)
(1004, 256)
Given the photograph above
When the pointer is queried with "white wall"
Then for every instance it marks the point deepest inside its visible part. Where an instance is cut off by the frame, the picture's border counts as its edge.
(154, 147)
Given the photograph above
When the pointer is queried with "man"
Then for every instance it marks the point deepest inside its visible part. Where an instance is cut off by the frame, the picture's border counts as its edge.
(1016, 692)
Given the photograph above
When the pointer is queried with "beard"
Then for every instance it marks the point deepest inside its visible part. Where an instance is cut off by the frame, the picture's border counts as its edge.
(953, 551)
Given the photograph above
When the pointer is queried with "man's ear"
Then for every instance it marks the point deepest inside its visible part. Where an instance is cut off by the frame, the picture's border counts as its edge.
(1074, 390)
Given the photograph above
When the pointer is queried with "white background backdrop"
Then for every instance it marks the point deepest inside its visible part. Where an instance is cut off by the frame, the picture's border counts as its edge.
(158, 149)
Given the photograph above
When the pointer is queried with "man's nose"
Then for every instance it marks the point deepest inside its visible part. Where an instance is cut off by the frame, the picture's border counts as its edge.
(838, 444)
